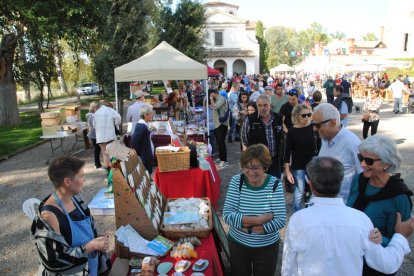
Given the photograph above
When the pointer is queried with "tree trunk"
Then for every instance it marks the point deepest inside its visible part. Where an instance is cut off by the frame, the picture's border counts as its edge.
(26, 81)
(9, 113)
(58, 63)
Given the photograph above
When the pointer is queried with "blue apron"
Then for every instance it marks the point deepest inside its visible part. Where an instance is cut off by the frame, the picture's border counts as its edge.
(82, 233)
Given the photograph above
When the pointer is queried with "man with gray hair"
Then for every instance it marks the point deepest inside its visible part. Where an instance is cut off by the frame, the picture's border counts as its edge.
(329, 238)
(256, 93)
(338, 142)
(265, 127)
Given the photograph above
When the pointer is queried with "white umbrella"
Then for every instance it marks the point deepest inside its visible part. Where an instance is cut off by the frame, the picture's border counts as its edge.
(282, 68)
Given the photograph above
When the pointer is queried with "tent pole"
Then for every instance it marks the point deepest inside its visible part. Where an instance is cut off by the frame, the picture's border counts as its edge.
(116, 96)
(207, 110)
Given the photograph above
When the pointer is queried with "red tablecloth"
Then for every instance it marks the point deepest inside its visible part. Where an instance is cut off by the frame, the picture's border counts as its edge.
(206, 251)
(190, 183)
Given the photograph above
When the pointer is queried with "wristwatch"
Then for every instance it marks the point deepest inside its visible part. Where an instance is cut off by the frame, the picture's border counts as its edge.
(249, 229)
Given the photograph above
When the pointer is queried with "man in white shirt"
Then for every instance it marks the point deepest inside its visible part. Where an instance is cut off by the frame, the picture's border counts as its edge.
(338, 142)
(134, 110)
(329, 238)
(397, 89)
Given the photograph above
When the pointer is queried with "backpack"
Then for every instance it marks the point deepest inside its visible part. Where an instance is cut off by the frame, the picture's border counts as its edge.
(349, 103)
(226, 115)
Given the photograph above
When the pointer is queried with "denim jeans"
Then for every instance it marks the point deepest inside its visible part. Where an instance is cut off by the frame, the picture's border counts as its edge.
(212, 136)
(299, 176)
(232, 129)
(398, 104)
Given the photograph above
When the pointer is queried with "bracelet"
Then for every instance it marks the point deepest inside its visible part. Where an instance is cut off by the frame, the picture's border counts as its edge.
(249, 229)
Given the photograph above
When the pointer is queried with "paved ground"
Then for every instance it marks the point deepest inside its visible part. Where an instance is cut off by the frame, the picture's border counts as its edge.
(25, 175)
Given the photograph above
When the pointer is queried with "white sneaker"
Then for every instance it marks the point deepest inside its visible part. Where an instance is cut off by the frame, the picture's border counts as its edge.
(223, 165)
(101, 169)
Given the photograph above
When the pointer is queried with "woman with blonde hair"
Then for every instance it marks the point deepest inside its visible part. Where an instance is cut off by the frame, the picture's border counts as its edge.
(300, 147)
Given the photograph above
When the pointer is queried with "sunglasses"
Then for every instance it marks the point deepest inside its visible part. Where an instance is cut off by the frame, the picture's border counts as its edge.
(368, 161)
(306, 115)
(318, 125)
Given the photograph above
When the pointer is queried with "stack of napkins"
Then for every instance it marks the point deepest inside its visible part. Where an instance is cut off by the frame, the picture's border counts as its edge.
(131, 239)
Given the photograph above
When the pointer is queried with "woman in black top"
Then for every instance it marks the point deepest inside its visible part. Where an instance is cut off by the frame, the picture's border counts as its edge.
(300, 147)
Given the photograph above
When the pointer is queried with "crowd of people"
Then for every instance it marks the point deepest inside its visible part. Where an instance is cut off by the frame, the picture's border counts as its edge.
(356, 222)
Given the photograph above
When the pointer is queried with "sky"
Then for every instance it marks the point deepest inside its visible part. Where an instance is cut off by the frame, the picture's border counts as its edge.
(353, 17)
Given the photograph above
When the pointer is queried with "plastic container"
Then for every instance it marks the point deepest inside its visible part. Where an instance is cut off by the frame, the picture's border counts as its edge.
(203, 164)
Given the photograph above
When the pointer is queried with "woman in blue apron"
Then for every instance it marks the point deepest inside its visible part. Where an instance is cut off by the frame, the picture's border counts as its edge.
(65, 214)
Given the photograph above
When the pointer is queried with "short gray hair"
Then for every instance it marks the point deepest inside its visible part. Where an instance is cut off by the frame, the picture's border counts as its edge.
(93, 105)
(145, 109)
(326, 174)
(264, 97)
(329, 111)
(386, 150)
(297, 110)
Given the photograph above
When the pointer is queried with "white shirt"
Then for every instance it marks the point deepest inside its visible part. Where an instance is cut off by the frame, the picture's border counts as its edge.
(344, 147)
(397, 88)
(253, 97)
(133, 114)
(104, 121)
(330, 238)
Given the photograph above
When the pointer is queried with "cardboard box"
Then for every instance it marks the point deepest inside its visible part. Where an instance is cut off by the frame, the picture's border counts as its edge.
(51, 130)
(50, 115)
(48, 122)
(70, 128)
(73, 111)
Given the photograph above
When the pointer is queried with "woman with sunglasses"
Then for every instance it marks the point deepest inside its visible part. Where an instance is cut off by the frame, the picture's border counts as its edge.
(371, 108)
(300, 147)
(255, 211)
(379, 191)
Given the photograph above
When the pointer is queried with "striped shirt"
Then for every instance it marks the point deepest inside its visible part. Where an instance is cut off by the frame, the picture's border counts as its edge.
(254, 201)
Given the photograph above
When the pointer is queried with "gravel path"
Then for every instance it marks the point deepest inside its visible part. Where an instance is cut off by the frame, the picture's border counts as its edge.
(25, 175)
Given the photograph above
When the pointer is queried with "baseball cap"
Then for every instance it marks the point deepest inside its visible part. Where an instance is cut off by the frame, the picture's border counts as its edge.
(269, 88)
(140, 93)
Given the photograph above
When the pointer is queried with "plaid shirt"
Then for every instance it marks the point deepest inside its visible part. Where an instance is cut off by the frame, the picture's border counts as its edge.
(270, 135)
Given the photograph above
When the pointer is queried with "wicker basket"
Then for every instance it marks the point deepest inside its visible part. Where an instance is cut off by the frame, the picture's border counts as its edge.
(173, 161)
(180, 233)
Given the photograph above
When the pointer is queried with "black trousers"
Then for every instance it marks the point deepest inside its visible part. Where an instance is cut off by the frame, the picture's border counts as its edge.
(259, 260)
(274, 168)
(221, 132)
(367, 125)
(96, 153)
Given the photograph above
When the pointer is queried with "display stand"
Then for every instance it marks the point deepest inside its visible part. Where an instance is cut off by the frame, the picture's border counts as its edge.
(138, 202)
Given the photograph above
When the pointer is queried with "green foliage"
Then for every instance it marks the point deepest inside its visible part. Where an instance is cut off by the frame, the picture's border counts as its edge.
(282, 40)
(338, 35)
(369, 37)
(263, 46)
(13, 138)
(183, 28)
(123, 38)
(394, 72)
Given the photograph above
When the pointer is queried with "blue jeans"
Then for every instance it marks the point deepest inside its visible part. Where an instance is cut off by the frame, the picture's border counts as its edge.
(212, 136)
(232, 129)
(299, 176)
(397, 104)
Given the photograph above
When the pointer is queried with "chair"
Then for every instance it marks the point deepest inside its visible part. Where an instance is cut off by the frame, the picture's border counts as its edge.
(30, 207)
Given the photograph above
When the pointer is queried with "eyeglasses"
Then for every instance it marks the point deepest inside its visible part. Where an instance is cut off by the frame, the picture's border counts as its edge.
(318, 125)
(253, 169)
(306, 115)
(293, 92)
(368, 161)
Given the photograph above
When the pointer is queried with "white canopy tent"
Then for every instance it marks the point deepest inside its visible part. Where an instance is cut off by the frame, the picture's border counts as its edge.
(164, 62)
(281, 68)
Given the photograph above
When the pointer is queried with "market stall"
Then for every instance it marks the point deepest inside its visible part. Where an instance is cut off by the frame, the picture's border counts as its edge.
(176, 232)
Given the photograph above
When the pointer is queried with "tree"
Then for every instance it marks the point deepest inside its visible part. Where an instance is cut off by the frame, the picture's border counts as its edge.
(338, 35)
(183, 28)
(369, 37)
(123, 37)
(263, 46)
(48, 20)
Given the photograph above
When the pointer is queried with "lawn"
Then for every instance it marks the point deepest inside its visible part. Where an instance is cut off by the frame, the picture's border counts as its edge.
(13, 138)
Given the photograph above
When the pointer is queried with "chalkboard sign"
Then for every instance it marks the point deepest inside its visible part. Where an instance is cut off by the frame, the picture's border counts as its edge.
(220, 233)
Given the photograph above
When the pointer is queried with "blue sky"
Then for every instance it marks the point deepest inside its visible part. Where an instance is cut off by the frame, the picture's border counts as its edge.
(353, 17)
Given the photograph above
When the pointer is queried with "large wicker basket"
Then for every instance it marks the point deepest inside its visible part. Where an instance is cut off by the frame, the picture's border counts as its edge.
(182, 233)
(173, 161)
